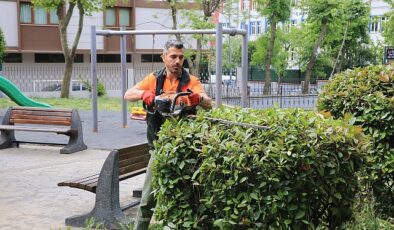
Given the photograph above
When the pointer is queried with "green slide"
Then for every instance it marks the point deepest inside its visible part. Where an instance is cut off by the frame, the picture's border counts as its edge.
(17, 96)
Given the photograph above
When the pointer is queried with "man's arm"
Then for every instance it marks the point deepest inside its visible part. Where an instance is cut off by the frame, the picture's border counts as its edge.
(133, 94)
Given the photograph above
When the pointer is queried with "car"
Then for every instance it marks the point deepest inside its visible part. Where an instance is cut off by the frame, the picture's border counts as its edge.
(229, 82)
(58, 87)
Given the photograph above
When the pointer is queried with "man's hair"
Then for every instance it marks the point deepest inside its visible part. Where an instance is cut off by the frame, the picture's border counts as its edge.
(172, 43)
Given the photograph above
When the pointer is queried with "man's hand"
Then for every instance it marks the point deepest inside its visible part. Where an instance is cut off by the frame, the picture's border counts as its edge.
(148, 97)
(194, 99)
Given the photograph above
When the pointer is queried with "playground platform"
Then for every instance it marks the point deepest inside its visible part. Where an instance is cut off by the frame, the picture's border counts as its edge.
(30, 197)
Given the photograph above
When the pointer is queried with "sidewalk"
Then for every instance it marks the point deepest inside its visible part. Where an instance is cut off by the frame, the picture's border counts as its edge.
(30, 197)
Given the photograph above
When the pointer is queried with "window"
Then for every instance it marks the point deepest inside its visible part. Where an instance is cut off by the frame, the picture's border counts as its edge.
(124, 17)
(255, 5)
(55, 58)
(292, 54)
(383, 22)
(253, 28)
(110, 19)
(38, 15)
(117, 17)
(376, 24)
(25, 15)
(244, 4)
(111, 58)
(151, 58)
(13, 58)
(259, 28)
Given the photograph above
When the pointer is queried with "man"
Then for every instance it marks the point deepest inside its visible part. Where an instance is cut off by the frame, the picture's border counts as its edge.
(173, 78)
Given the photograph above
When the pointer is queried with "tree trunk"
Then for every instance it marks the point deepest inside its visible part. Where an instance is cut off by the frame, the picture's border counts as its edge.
(340, 53)
(312, 60)
(195, 69)
(268, 57)
(65, 93)
(338, 66)
(68, 53)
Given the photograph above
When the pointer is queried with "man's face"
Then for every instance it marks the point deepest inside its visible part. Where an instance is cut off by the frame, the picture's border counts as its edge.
(173, 60)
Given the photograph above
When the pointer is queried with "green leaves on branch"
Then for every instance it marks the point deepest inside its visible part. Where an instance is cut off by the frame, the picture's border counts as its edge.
(300, 174)
(368, 94)
(2, 46)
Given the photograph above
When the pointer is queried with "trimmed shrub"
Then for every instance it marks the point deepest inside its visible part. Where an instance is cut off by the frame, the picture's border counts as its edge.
(101, 91)
(368, 94)
(298, 174)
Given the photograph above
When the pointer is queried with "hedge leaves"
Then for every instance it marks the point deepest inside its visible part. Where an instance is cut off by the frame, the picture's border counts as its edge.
(299, 174)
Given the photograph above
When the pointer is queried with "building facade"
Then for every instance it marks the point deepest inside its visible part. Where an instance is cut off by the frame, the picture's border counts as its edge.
(245, 12)
(33, 42)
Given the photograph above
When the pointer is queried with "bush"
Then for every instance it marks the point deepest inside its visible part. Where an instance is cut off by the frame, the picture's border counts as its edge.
(299, 174)
(368, 94)
(100, 87)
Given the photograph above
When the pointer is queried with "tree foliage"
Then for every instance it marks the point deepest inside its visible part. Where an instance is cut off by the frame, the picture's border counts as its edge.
(280, 52)
(2, 46)
(388, 29)
(275, 11)
(85, 7)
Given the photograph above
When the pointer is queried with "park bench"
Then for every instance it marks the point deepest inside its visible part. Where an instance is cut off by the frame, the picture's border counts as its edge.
(120, 164)
(32, 119)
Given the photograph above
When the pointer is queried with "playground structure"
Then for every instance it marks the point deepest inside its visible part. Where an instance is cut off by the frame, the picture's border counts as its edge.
(17, 96)
(219, 31)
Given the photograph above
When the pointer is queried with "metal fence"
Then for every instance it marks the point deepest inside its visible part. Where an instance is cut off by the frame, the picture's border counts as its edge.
(45, 81)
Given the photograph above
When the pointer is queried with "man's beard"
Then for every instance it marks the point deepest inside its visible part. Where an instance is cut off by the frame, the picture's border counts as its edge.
(177, 70)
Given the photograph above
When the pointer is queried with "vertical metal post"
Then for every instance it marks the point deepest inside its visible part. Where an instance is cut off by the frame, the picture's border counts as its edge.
(124, 77)
(219, 43)
(244, 79)
(93, 64)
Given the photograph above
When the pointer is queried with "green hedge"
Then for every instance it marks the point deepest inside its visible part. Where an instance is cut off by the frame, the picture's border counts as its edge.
(368, 94)
(299, 174)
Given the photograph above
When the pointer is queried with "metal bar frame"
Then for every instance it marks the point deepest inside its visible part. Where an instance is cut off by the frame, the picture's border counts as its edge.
(219, 31)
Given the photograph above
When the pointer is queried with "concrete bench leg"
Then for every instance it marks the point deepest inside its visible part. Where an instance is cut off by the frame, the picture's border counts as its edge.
(7, 136)
(107, 207)
(75, 142)
(6, 139)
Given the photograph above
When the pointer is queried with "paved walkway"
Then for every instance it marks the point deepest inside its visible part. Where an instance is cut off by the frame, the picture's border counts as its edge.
(29, 196)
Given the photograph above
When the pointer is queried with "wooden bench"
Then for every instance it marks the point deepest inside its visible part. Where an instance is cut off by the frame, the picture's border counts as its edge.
(32, 119)
(120, 164)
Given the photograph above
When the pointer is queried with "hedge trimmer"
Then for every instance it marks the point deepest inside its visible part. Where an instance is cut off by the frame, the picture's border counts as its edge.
(172, 105)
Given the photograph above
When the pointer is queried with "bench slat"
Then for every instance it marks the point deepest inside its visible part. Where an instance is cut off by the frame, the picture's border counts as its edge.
(127, 162)
(39, 109)
(35, 129)
(133, 167)
(42, 113)
(39, 122)
(135, 153)
(78, 180)
(133, 149)
(38, 117)
(91, 187)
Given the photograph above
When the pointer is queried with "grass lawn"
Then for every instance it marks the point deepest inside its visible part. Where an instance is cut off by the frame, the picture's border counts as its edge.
(104, 103)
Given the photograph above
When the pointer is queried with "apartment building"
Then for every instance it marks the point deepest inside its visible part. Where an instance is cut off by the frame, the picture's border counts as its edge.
(32, 34)
(34, 49)
(258, 25)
